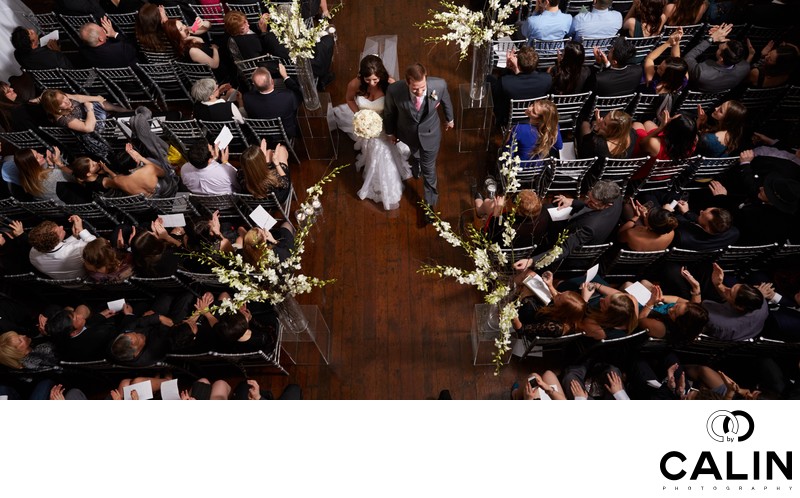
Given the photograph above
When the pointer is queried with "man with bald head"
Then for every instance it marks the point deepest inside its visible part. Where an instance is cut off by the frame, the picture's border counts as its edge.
(265, 101)
(104, 47)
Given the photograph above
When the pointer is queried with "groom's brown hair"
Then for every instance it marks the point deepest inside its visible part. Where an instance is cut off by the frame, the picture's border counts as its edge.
(415, 72)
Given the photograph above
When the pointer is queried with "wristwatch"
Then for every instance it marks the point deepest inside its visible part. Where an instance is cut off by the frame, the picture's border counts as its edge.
(710, 39)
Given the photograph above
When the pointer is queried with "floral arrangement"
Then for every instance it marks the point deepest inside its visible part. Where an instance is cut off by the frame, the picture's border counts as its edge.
(269, 280)
(293, 32)
(466, 27)
(486, 257)
(554, 253)
(367, 124)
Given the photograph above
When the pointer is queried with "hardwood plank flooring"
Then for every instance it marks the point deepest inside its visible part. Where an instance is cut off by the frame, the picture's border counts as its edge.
(397, 334)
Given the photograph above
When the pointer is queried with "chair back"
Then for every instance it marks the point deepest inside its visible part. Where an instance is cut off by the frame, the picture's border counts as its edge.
(582, 258)
(72, 26)
(156, 57)
(589, 44)
(130, 87)
(500, 48)
(575, 7)
(690, 33)
(192, 72)
(239, 142)
(644, 44)
(646, 106)
(125, 23)
(27, 139)
(608, 104)
(707, 169)
(706, 100)
(51, 79)
(569, 107)
(666, 174)
(532, 175)
(88, 82)
(618, 171)
(760, 102)
(689, 256)
(568, 174)
(272, 129)
(631, 264)
(184, 133)
(737, 259)
(213, 13)
(252, 11)
(548, 50)
(248, 203)
(166, 81)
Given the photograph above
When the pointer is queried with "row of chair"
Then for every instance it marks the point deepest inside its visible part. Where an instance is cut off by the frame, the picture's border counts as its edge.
(625, 264)
(575, 177)
(779, 103)
(105, 213)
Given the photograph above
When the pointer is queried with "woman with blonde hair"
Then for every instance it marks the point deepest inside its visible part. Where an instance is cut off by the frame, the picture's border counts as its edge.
(609, 136)
(541, 137)
(262, 171)
(17, 353)
(526, 221)
(280, 240)
(39, 175)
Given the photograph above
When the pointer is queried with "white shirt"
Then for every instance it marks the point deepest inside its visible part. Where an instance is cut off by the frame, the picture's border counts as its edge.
(214, 179)
(66, 260)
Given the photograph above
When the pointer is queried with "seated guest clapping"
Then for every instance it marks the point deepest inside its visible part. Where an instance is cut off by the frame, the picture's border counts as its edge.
(57, 255)
(211, 104)
(154, 250)
(148, 178)
(105, 47)
(204, 174)
(39, 175)
(105, 264)
(263, 171)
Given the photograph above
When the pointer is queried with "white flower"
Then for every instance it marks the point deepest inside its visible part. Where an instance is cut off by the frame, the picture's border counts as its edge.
(433, 96)
(367, 124)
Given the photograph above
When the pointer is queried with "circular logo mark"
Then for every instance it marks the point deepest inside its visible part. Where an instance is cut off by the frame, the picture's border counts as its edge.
(723, 425)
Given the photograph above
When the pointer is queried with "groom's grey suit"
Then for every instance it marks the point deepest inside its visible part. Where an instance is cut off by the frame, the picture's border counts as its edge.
(420, 130)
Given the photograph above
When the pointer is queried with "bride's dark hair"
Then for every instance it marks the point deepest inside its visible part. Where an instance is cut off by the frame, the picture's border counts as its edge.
(372, 64)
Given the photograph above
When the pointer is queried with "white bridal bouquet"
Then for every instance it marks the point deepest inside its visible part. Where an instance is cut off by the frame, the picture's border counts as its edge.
(367, 124)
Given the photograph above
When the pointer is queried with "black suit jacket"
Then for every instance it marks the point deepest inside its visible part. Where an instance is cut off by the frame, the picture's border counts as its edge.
(689, 235)
(92, 343)
(277, 104)
(42, 58)
(615, 82)
(115, 52)
(519, 86)
(590, 228)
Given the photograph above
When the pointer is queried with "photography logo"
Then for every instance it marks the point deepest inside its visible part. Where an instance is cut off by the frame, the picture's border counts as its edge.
(730, 467)
(723, 425)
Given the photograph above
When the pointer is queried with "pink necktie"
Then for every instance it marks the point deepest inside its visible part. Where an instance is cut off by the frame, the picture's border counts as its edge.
(418, 104)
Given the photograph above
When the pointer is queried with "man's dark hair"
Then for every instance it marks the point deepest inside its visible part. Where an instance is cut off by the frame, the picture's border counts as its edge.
(602, 4)
(733, 53)
(623, 52)
(20, 39)
(122, 348)
(748, 298)
(199, 155)
(59, 326)
(527, 60)
(721, 220)
(231, 328)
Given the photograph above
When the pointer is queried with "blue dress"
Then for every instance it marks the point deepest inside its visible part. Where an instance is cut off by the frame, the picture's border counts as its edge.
(710, 146)
(526, 137)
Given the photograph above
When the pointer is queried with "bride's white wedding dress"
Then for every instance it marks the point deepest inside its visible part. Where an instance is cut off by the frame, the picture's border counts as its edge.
(385, 163)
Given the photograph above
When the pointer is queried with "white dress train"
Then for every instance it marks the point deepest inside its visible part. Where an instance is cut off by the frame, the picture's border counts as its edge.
(385, 163)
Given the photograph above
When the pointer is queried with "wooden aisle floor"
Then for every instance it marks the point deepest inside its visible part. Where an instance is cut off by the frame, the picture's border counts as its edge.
(396, 334)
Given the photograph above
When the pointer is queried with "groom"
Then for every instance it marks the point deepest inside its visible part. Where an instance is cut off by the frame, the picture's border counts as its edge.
(410, 116)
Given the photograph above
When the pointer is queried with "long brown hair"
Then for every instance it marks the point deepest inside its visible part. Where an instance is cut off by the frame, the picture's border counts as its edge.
(620, 313)
(685, 12)
(99, 254)
(733, 122)
(547, 126)
(149, 31)
(31, 173)
(182, 45)
(570, 312)
(618, 129)
(260, 179)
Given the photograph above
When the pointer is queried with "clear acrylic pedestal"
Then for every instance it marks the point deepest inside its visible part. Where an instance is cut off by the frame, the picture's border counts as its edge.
(475, 118)
(485, 329)
(316, 132)
(311, 346)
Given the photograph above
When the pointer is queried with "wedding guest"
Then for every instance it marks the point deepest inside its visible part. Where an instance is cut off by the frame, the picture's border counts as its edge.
(742, 314)
(549, 24)
(723, 139)
(669, 76)
(615, 74)
(148, 179)
(17, 113)
(30, 55)
(279, 239)
(645, 18)
(539, 138)
(105, 264)
(569, 73)
(208, 170)
(776, 66)
(40, 175)
(55, 254)
(211, 101)
(677, 320)
(154, 251)
(528, 224)
(685, 12)
(104, 47)
(648, 229)
(729, 67)
(262, 171)
(265, 101)
(192, 48)
(600, 22)
(17, 352)
(563, 315)
(611, 135)
(519, 81)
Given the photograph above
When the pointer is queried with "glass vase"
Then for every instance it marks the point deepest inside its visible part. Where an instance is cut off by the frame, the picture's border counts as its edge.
(481, 57)
(308, 85)
(291, 315)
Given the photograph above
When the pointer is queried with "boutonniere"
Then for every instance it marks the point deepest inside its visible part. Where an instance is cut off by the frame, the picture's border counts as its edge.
(433, 96)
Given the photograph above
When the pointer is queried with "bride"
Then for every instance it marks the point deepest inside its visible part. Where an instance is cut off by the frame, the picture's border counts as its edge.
(385, 163)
